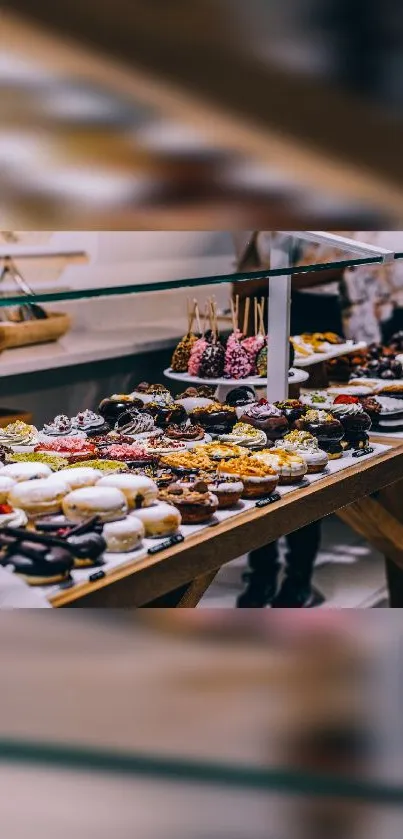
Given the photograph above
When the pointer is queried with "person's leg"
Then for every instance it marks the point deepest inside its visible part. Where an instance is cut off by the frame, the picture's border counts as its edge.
(296, 590)
(261, 578)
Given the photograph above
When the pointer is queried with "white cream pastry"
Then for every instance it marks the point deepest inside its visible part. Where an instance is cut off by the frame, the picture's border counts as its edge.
(246, 435)
(137, 425)
(139, 490)
(19, 436)
(191, 402)
(160, 519)
(123, 536)
(26, 471)
(6, 484)
(317, 399)
(290, 466)
(80, 476)
(106, 502)
(39, 498)
(13, 517)
(307, 447)
(61, 426)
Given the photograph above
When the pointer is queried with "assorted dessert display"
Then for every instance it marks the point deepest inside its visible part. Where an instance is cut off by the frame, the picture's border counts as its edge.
(377, 361)
(84, 489)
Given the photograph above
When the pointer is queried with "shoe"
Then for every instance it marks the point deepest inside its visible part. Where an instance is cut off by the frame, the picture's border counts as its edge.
(259, 593)
(293, 596)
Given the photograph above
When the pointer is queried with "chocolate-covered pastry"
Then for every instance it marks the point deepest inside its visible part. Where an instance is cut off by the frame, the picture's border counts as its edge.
(326, 428)
(215, 418)
(112, 407)
(185, 432)
(293, 409)
(355, 421)
(5, 453)
(239, 396)
(37, 564)
(166, 412)
(267, 418)
(372, 407)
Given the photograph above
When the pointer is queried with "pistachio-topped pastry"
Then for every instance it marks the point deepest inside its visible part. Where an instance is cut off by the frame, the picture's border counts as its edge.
(290, 466)
(326, 428)
(305, 445)
(19, 436)
(53, 461)
(246, 435)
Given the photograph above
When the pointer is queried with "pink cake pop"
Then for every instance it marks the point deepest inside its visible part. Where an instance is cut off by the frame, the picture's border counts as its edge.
(196, 356)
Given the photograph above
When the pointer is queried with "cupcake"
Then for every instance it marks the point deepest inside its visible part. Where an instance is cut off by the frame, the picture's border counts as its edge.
(245, 435)
(292, 409)
(267, 418)
(258, 478)
(307, 447)
(355, 421)
(289, 465)
(326, 428)
(195, 503)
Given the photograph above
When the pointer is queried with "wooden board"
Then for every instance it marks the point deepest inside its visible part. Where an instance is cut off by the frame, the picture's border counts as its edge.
(143, 581)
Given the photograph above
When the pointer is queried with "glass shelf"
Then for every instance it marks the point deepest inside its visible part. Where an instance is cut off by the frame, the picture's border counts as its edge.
(15, 297)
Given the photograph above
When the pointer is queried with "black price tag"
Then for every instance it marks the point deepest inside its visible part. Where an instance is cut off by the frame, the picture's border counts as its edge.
(67, 584)
(167, 543)
(362, 452)
(275, 496)
(99, 575)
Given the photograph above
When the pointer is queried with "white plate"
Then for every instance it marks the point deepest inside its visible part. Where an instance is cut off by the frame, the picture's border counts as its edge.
(334, 351)
(297, 377)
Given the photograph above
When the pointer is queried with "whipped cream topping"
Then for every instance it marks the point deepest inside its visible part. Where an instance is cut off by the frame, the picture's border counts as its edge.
(61, 426)
(19, 434)
(87, 419)
(262, 410)
(133, 423)
(347, 408)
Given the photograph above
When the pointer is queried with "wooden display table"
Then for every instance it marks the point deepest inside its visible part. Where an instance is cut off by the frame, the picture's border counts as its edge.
(180, 575)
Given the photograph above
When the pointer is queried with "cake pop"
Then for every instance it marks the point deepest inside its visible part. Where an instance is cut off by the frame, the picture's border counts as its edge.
(181, 355)
(254, 344)
(212, 361)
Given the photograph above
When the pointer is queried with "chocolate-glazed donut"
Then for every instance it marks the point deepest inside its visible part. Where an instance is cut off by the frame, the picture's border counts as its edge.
(267, 418)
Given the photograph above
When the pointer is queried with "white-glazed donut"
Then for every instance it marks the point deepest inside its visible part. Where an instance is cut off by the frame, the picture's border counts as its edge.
(106, 502)
(26, 471)
(6, 485)
(160, 520)
(80, 476)
(38, 498)
(125, 535)
(139, 490)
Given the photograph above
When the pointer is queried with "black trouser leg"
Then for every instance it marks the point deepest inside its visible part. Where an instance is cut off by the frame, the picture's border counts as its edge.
(261, 578)
(302, 548)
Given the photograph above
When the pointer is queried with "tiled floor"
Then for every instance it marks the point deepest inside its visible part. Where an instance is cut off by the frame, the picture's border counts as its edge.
(348, 572)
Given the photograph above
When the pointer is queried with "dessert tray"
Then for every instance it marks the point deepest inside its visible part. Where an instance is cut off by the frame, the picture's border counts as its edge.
(295, 377)
(334, 351)
(112, 561)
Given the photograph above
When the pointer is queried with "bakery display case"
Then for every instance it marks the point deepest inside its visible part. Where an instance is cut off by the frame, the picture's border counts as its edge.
(159, 489)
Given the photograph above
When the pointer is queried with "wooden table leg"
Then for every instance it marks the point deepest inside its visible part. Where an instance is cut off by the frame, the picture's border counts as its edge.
(380, 521)
(187, 597)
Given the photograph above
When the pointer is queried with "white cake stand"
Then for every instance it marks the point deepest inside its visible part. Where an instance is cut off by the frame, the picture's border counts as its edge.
(223, 386)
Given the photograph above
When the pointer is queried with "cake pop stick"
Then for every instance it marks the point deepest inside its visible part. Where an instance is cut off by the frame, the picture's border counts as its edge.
(246, 316)
(197, 316)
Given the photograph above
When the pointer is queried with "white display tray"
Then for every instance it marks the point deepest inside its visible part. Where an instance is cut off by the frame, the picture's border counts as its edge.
(253, 381)
(113, 561)
(338, 349)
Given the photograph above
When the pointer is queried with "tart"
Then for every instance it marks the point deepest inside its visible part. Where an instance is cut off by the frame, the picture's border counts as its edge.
(221, 451)
(127, 452)
(215, 418)
(355, 421)
(52, 460)
(307, 447)
(245, 435)
(190, 461)
(267, 418)
(258, 478)
(107, 467)
(160, 446)
(326, 428)
(289, 465)
(71, 448)
(195, 503)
